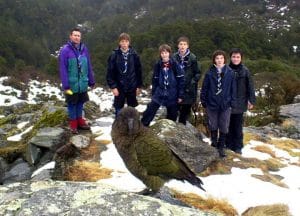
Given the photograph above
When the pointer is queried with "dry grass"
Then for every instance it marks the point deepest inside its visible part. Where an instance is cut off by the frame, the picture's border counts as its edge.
(265, 149)
(217, 167)
(274, 179)
(268, 210)
(86, 171)
(287, 145)
(251, 136)
(272, 164)
(210, 204)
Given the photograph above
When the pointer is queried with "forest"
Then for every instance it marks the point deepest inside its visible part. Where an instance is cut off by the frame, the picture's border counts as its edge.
(268, 32)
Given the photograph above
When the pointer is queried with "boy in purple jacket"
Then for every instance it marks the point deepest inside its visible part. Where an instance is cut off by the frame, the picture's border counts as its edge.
(76, 75)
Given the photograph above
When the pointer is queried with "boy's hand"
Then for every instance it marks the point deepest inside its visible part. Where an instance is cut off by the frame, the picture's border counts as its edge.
(115, 92)
(179, 100)
(68, 92)
(250, 106)
(138, 91)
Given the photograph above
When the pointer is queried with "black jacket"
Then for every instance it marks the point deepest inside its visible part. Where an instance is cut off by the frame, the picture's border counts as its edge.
(245, 88)
(191, 77)
(118, 76)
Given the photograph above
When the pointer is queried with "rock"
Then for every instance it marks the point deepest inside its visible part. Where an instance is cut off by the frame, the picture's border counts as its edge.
(3, 168)
(44, 173)
(296, 99)
(186, 143)
(33, 154)
(20, 171)
(291, 111)
(49, 137)
(80, 141)
(75, 198)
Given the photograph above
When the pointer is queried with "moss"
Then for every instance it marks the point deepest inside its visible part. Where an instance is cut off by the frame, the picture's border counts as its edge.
(47, 119)
(12, 151)
(10, 119)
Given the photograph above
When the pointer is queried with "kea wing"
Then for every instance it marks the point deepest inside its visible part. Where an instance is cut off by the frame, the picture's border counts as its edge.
(155, 155)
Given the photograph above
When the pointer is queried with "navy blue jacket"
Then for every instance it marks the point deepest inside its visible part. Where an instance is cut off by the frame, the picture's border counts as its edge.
(167, 95)
(227, 97)
(124, 80)
(245, 88)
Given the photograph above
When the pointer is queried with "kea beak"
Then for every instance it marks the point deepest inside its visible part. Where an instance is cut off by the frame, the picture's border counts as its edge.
(130, 126)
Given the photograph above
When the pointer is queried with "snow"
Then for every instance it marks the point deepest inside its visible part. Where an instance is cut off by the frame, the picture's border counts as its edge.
(239, 188)
(50, 165)
(18, 137)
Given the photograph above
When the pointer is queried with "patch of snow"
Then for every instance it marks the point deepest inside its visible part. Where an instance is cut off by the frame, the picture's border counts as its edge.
(18, 137)
(50, 165)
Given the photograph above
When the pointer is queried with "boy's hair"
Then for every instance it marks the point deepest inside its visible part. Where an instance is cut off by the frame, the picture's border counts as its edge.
(216, 53)
(236, 50)
(164, 47)
(124, 36)
(183, 39)
(75, 29)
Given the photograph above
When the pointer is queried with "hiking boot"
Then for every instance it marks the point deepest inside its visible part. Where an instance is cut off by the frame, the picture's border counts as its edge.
(82, 124)
(214, 138)
(73, 126)
(221, 144)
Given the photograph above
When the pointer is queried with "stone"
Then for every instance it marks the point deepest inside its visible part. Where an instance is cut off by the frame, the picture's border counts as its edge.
(33, 154)
(49, 137)
(187, 143)
(78, 198)
(80, 141)
(20, 171)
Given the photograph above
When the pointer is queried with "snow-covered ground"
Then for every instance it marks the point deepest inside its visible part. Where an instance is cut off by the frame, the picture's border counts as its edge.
(239, 188)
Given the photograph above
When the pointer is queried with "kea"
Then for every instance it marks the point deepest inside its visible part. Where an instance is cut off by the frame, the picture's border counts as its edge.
(146, 156)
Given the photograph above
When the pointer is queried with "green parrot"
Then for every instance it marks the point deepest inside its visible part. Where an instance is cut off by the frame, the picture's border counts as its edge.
(145, 155)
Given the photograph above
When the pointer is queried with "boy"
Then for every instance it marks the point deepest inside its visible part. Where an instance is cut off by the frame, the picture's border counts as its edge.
(76, 75)
(124, 74)
(245, 99)
(188, 63)
(167, 87)
(218, 96)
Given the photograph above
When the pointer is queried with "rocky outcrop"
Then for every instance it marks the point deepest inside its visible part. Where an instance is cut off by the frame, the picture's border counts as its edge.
(74, 198)
(187, 143)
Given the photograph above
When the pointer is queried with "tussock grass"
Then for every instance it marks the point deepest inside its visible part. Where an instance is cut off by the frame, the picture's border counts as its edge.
(265, 149)
(209, 204)
(268, 210)
(251, 136)
(274, 179)
(215, 168)
(287, 145)
(86, 171)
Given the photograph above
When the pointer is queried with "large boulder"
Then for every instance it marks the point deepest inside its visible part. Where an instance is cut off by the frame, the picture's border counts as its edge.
(187, 143)
(74, 198)
(49, 137)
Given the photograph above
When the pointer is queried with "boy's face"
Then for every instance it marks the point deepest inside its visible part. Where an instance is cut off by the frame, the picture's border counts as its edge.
(183, 46)
(165, 55)
(236, 58)
(124, 44)
(219, 60)
(75, 37)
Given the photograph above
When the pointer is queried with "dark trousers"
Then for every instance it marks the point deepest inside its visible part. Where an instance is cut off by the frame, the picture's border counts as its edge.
(184, 112)
(129, 97)
(219, 120)
(75, 110)
(234, 139)
(151, 110)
